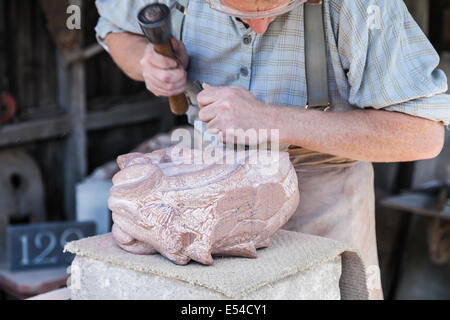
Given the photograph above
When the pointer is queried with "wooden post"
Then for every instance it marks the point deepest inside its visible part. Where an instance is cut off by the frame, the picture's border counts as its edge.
(73, 99)
(3, 69)
(25, 89)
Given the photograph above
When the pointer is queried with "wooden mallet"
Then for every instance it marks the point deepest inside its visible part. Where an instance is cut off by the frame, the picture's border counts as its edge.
(154, 20)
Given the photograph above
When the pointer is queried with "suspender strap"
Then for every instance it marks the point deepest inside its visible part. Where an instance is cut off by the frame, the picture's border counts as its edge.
(316, 56)
(178, 14)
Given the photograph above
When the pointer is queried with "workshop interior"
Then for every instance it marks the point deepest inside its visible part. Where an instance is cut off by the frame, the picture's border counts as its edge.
(67, 113)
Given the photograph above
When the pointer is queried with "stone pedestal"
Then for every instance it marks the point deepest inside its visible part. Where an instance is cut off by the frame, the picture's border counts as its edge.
(295, 266)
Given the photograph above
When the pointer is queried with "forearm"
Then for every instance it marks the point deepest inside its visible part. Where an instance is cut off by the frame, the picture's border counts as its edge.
(365, 135)
(127, 50)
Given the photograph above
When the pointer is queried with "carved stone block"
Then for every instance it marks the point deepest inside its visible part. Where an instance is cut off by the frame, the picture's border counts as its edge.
(196, 203)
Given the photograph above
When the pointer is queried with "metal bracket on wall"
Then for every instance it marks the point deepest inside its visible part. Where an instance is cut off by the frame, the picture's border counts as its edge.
(83, 54)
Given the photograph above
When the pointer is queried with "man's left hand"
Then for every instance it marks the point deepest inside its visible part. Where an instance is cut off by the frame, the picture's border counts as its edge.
(233, 108)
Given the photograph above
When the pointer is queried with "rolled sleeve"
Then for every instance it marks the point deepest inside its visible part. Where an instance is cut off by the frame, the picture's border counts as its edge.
(119, 16)
(436, 108)
(103, 28)
(389, 62)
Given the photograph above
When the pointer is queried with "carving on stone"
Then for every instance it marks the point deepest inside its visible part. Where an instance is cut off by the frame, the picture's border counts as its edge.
(187, 206)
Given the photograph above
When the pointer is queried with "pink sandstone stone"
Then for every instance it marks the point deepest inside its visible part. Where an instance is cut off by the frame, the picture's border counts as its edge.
(189, 207)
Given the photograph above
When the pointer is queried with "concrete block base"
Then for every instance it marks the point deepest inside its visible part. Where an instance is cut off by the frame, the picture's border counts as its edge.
(100, 280)
(295, 266)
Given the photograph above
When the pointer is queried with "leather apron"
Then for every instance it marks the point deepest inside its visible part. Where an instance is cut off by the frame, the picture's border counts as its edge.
(337, 201)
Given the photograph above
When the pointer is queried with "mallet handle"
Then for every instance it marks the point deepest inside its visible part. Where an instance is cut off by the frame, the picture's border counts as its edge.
(178, 103)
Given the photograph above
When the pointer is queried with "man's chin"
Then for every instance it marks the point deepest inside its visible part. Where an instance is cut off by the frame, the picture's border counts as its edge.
(260, 31)
(260, 27)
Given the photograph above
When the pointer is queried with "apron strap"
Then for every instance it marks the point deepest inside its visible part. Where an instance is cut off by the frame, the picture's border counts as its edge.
(316, 56)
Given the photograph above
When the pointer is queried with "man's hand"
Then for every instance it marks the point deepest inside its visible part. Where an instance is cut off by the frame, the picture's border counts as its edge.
(233, 108)
(165, 76)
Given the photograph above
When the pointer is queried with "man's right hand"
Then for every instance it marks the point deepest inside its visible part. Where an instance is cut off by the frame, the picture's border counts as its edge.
(164, 76)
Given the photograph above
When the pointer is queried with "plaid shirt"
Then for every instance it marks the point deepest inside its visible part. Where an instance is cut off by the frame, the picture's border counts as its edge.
(391, 66)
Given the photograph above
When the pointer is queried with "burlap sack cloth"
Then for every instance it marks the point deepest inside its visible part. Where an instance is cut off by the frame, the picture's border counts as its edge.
(337, 201)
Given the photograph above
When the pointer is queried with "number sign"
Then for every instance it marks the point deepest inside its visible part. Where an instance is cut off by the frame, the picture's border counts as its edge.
(41, 245)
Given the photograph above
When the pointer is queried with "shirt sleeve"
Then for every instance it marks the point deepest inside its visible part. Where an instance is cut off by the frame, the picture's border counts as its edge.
(120, 16)
(389, 62)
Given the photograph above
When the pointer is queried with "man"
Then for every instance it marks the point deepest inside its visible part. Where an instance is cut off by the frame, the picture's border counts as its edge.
(387, 101)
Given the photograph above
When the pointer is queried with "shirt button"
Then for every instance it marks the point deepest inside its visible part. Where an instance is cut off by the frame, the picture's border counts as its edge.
(244, 72)
(247, 40)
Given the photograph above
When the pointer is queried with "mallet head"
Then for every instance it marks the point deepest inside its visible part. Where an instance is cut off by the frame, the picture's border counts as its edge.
(155, 22)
